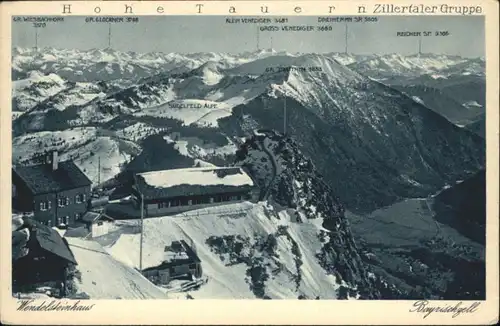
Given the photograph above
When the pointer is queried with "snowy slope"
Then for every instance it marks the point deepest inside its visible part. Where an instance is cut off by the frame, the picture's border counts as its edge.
(75, 94)
(103, 277)
(83, 145)
(255, 222)
(190, 111)
(24, 147)
(113, 154)
(34, 89)
(200, 149)
(137, 131)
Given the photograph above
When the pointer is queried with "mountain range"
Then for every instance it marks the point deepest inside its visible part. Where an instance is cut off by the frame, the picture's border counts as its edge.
(357, 128)
(379, 129)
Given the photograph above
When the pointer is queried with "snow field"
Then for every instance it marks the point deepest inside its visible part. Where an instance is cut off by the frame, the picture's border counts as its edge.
(103, 277)
(23, 147)
(229, 281)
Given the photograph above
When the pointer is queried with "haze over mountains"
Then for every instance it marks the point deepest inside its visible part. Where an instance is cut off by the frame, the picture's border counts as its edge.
(379, 129)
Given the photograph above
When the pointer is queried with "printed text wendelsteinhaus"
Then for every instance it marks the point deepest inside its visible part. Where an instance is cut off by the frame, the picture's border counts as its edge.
(53, 305)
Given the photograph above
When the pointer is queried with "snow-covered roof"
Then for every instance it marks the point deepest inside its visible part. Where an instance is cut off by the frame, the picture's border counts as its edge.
(175, 256)
(205, 176)
(192, 181)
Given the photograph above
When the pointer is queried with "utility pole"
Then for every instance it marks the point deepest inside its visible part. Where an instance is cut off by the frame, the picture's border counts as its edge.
(284, 116)
(142, 231)
(98, 171)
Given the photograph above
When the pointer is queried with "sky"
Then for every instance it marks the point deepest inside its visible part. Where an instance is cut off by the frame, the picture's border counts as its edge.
(188, 34)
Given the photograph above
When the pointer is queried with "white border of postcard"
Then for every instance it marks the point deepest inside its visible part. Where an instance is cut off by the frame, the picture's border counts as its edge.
(250, 311)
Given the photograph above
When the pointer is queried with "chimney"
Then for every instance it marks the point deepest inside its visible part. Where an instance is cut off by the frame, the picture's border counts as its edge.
(55, 161)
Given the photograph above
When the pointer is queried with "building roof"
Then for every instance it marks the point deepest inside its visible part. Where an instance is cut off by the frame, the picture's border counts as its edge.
(91, 217)
(192, 181)
(50, 240)
(42, 179)
(190, 257)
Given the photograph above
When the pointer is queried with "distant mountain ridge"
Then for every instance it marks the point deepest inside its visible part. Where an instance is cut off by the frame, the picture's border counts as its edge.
(355, 127)
(435, 65)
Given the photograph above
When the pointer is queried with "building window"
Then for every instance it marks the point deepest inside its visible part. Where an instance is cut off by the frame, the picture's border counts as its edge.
(78, 216)
(59, 221)
(163, 205)
(43, 206)
(190, 202)
(66, 201)
(66, 220)
(80, 198)
(61, 202)
(49, 223)
(99, 223)
(211, 200)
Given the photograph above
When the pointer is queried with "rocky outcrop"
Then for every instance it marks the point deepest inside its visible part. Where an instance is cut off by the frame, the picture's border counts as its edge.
(298, 186)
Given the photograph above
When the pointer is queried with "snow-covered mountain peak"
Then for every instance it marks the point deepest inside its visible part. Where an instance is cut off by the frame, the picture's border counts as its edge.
(304, 64)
